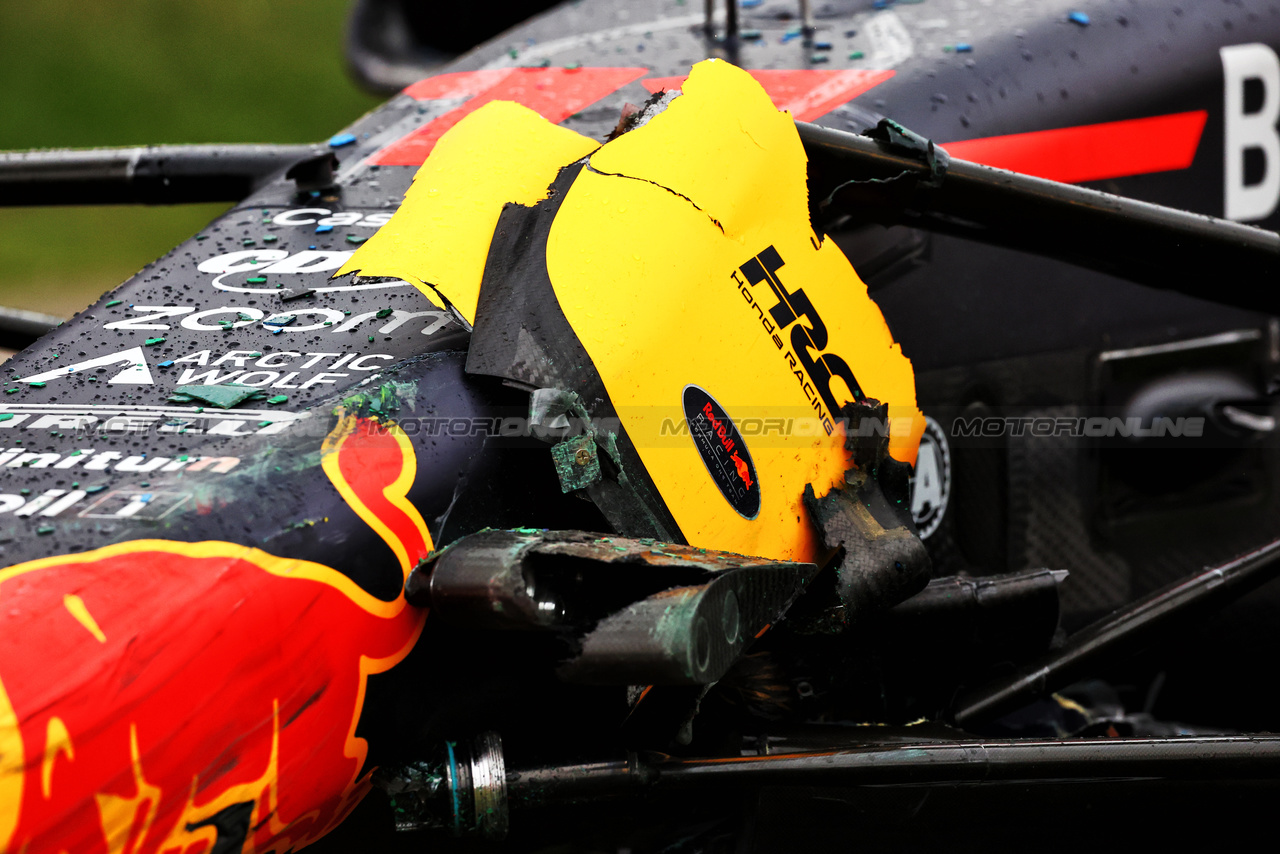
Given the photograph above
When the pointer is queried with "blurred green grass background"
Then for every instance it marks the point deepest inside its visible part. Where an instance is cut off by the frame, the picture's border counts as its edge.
(130, 72)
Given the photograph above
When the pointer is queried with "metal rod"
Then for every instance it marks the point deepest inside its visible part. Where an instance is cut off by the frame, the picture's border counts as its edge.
(1121, 630)
(1161, 247)
(158, 174)
(568, 783)
(923, 764)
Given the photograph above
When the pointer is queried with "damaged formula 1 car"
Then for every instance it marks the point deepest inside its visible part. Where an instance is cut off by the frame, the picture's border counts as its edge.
(674, 429)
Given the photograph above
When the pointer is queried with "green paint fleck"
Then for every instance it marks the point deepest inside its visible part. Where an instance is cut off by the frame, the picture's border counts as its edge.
(36, 385)
(574, 475)
(257, 280)
(151, 342)
(385, 399)
(222, 396)
(114, 302)
(279, 398)
(5, 416)
(45, 529)
(383, 312)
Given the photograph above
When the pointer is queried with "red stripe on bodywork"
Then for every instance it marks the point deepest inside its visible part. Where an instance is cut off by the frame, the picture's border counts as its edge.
(1072, 155)
(807, 93)
(1093, 152)
(556, 93)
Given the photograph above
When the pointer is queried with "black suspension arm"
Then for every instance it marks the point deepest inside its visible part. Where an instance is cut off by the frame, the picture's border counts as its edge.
(155, 174)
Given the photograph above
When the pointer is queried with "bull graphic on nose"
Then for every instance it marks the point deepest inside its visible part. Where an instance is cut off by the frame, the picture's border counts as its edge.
(744, 471)
(161, 696)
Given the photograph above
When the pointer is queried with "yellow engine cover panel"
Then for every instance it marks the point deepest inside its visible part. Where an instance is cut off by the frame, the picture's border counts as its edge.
(684, 256)
(439, 238)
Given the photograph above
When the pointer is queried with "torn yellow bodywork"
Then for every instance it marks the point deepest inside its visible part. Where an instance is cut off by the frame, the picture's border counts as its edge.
(647, 257)
(439, 238)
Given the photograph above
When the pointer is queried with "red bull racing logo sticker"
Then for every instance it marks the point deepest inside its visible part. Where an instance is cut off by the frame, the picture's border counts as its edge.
(160, 696)
(722, 450)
